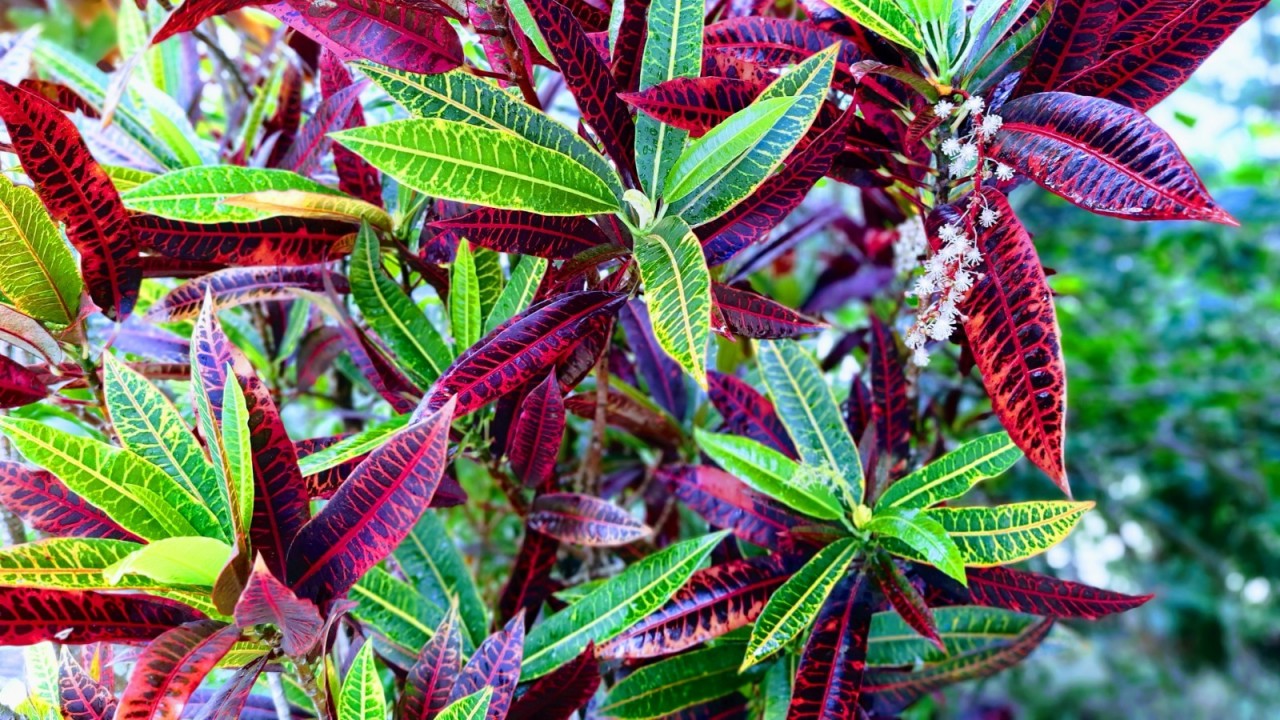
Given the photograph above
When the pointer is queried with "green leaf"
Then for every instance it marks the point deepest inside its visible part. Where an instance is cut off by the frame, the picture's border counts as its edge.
(482, 166)
(963, 629)
(175, 561)
(809, 411)
(925, 538)
(139, 496)
(43, 696)
(614, 606)
(127, 178)
(953, 474)
(462, 97)
(196, 194)
(1006, 534)
(792, 608)
(672, 49)
(669, 686)
(237, 444)
(319, 206)
(352, 447)
(395, 610)
(149, 426)
(361, 697)
(431, 561)
(770, 472)
(263, 101)
(492, 280)
(394, 316)
(40, 276)
(464, 298)
(472, 707)
(885, 18)
(808, 83)
(709, 154)
(526, 276)
(677, 287)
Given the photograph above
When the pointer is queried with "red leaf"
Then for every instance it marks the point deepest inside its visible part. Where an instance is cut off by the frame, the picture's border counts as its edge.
(381, 373)
(80, 696)
(588, 78)
(628, 47)
(695, 104)
(777, 42)
(558, 695)
(266, 600)
(66, 99)
(715, 601)
(281, 129)
(373, 510)
(240, 286)
(748, 413)
(78, 193)
(47, 505)
(1104, 157)
(748, 314)
(626, 413)
(751, 220)
(1156, 50)
(903, 596)
(19, 385)
(584, 520)
(191, 13)
(726, 502)
(891, 409)
(1043, 595)
(325, 483)
(433, 676)
(663, 376)
(229, 700)
(537, 433)
(860, 411)
(409, 36)
(32, 615)
(172, 667)
(274, 241)
(829, 679)
(1013, 330)
(495, 664)
(314, 141)
(356, 177)
(530, 580)
(526, 233)
(522, 349)
(1071, 42)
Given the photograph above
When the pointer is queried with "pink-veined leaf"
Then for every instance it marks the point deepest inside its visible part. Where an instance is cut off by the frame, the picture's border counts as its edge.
(715, 601)
(525, 233)
(695, 104)
(625, 412)
(434, 674)
(313, 140)
(273, 241)
(556, 696)
(530, 581)
(727, 503)
(777, 42)
(495, 664)
(1027, 592)
(896, 587)
(32, 615)
(80, 696)
(356, 177)
(240, 286)
(891, 408)
(373, 510)
(628, 47)
(748, 412)
(1102, 156)
(829, 679)
(584, 520)
(663, 376)
(44, 503)
(266, 600)
(78, 193)
(191, 13)
(171, 668)
(748, 314)
(1071, 42)
(229, 701)
(19, 385)
(402, 34)
(537, 433)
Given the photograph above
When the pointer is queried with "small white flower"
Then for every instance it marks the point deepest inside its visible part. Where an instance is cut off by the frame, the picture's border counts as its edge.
(942, 327)
(975, 104)
(990, 124)
(968, 153)
(951, 147)
(920, 357)
(1003, 172)
(914, 338)
(959, 168)
(988, 217)
(950, 232)
(944, 108)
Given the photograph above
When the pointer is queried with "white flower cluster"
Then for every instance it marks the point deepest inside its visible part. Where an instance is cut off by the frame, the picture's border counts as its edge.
(911, 244)
(948, 278)
(963, 152)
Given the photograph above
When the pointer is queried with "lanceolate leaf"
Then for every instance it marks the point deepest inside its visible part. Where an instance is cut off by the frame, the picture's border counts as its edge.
(891, 409)
(373, 510)
(727, 503)
(584, 520)
(32, 615)
(672, 49)
(910, 605)
(704, 158)
(625, 408)
(471, 707)
(772, 473)
(242, 286)
(193, 561)
(793, 607)
(433, 564)
(537, 434)
(529, 583)
(953, 474)
(755, 316)
(776, 42)
(464, 298)
(519, 291)
(172, 667)
(19, 385)
(522, 349)
(1103, 157)
(433, 676)
(715, 601)
(355, 177)
(558, 695)
(678, 290)
(274, 241)
(313, 142)
(515, 231)
(313, 206)
(663, 377)
(78, 193)
(921, 536)
(1043, 595)
(40, 276)
(1013, 330)
(961, 629)
(495, 664)
(613, 606)
(1072, 41)
(829, 679)
(1006, 534)
(399, 33)
(361, 696)
(748, 413)
(266, 600)
(27, 333)
(664, 688)
(196, 194)
(397, 613)
(229, 702)
(47, 505)
(692, 104)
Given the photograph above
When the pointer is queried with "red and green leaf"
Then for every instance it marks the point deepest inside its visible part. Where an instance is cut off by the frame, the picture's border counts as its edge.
(19, 385)
(537, 433)
(433, 676)
(829, 680)
(373, 510)
(1043, 595)
(267, 600)
(628, 412)
(495, 664)
(313, 140)
(172, 667)
(77, 192)
(80, 696)
(525, 233)
(777, 42)
(750, 315)
(32, 615)
(66, 98)
(663, 376)
(47, 505)
(727, 503)
(695, 105)
(1102, 156)
(891, 408)
(356, 177)
(1071, 42)
(274, 241)
(402, 34)
(584, 520)
(896, 587)
(240, 286)
(558, 695)
(749, 413)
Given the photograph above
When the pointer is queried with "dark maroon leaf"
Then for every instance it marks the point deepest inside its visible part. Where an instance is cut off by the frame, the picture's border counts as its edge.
(526, 233)
(663, 376)
(860, 411)
(558, 695)
(406, 35)
(896, 587)
(314, 141)
(66, 99)
(830, 677)
(584, 520)
(891, 409)
(32, 615)
(1071, 42)
(373, 510)
(495, 664)
(726, 502)
(715, 601)
(325, 483)
(530, 581)
(281, 129)
(172, 667)
(356, 177)
(628, 47)
(382, 375)
(266, 600)
(77, 192)
(274, 241)
(1104, 157)
(537, 433)
(1043, 595)
(433, 676)
(80, 696)
(747, 412)
(229, 702)
(625, 412)
(730, 707)
(191, 13)
(47, 505)
(748, 314)
(241, 286)
(695, 104)
(776, 42)
(19, 385)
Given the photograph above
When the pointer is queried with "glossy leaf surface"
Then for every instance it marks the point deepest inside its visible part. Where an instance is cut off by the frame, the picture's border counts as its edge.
(584, 520)
(678, 290)
(179, 660)
(794, 606)
(953, 474)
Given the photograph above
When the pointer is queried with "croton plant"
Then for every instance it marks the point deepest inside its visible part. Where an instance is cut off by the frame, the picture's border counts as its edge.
(551, 276)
